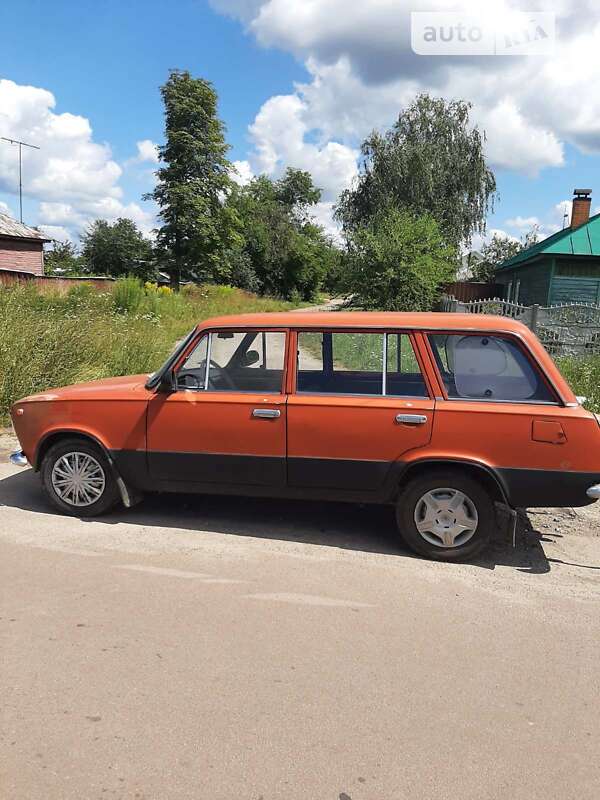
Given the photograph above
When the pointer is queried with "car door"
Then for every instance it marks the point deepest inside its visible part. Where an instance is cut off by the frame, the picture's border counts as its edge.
(225, 422)
(360, 401)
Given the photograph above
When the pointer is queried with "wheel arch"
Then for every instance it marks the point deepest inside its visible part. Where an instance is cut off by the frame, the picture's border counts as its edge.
(128, 497)
(52, 437)
(482, 473)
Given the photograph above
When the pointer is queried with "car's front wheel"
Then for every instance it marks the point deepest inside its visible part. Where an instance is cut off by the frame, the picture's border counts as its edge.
(445, 516)
(78, 480)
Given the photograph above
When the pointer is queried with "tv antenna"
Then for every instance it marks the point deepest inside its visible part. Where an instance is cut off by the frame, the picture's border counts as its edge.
(21, 146)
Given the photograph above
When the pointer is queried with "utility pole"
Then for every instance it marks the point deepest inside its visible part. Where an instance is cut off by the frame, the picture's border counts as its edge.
(21, 145)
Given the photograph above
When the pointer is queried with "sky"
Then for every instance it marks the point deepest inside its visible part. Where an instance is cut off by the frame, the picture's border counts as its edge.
(300, 83)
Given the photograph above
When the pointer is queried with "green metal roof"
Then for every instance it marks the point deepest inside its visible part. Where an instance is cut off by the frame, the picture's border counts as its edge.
(581, 241)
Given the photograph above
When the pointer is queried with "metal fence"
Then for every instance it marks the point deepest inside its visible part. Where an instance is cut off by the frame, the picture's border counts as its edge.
(570, 329)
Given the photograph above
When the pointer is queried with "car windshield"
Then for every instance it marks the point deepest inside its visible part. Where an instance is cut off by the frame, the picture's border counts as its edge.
(155, 378)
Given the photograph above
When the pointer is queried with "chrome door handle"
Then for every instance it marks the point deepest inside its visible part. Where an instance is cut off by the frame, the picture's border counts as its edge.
(266, 413)
(411, 419)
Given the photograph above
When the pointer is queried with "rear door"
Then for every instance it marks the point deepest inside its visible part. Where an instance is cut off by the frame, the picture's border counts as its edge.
(498, 408)
(360, 401)
(226, 422)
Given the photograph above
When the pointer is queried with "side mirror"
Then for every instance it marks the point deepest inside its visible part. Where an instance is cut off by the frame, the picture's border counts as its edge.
(251, 357)
(167, 382)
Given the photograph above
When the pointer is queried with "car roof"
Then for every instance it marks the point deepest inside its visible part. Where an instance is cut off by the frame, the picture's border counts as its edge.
(368, 319)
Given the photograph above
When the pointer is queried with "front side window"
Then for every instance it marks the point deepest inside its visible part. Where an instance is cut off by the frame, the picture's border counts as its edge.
(235, 361)
(358, 363)
(482, 367)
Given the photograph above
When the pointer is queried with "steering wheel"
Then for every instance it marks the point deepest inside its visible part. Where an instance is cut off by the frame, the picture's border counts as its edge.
(222, 374)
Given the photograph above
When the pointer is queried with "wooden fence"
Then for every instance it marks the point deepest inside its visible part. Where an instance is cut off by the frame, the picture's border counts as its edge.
(569, 329)
(9, 277)
(473, 290)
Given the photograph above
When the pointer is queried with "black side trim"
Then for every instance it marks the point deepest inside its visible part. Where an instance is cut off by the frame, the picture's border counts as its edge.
(331, 479)
(132, 466)
(528, 488)
(217, 468)
(337, 473)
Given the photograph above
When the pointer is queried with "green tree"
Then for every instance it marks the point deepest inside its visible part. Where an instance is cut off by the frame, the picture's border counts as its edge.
(397, 262)
(297, 192)
(281, 250)
(62, 259)
(432, 162)
(117, 249)
(500, 249)
(197, 225)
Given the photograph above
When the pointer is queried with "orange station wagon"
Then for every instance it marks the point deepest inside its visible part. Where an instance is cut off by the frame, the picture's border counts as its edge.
(442, 415)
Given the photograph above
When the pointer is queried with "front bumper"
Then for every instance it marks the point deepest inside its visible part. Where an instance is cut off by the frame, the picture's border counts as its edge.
(594, 492)
(19, 459)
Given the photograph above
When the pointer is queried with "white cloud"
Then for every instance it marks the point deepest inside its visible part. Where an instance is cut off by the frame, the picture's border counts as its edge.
(363, 72)
(242, 173)
(75, 218)
(280, 136)
(5, 209)
(523, 224)
(480, 240)
(147, 150)
(553, 220)
(322, 214)
(57, 233)
(75, 178)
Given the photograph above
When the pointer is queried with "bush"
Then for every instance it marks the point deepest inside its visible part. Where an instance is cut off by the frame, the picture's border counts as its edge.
(397, 262)
(128, 294)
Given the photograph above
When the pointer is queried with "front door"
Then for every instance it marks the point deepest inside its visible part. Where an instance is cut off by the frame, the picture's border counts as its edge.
(226, 422)
(360, 402)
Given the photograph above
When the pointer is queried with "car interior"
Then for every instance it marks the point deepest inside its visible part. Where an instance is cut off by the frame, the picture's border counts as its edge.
(335, 377)
(245, 370)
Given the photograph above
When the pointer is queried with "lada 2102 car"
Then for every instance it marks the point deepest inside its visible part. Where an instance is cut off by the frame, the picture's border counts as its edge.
(442, 415)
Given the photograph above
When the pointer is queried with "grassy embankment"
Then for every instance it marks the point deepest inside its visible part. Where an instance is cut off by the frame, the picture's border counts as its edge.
(49, 340)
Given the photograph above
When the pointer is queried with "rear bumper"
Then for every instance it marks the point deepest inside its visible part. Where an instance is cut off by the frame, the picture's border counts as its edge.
(19, 459)
(537, 488)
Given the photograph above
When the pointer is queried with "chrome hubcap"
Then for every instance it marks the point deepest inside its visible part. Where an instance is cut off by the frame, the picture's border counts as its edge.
(78, 479)
(446, 517)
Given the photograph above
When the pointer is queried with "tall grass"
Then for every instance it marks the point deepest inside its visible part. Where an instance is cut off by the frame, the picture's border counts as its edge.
(50, 340)
(583, 374)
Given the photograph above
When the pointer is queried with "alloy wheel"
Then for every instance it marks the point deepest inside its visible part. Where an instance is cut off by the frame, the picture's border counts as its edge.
(446, 517)
(78, 479)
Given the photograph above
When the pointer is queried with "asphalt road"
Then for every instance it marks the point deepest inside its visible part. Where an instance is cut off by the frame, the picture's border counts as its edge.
(226, 648)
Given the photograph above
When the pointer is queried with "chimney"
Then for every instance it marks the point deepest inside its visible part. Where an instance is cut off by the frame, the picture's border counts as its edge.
(581, 207)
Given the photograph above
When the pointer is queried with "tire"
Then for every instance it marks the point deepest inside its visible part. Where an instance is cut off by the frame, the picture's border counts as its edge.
(446, 533)
(95, 490)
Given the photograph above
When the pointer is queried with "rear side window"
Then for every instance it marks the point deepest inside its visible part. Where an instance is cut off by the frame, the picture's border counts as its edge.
(358, 363)
(478, 367)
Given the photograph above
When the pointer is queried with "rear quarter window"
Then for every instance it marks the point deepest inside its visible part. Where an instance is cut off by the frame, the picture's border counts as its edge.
(484, 367)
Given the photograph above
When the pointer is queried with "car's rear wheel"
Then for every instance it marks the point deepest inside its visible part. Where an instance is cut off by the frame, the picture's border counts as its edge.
(78, 479)
(445, 516)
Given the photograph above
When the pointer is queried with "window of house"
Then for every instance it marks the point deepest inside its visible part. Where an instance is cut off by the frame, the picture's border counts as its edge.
(358, 363)
(481, 367)
(569, 269)
(235, 361)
